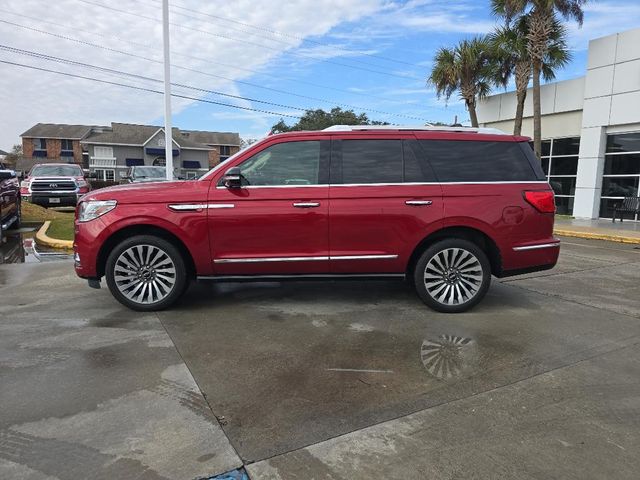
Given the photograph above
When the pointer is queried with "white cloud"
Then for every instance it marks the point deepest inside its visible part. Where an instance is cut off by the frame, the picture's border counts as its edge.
(29, 97)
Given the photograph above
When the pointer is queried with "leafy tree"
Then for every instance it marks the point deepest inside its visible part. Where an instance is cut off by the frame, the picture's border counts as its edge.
(542, 16)
(509, 46)
(13, 156)
(466, 68)
(319, 120)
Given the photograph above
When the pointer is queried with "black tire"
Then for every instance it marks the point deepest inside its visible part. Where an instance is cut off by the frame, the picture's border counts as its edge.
(160, 284)
(448, 288)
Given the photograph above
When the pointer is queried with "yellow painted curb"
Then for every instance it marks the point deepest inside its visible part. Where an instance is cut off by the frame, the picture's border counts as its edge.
(597, 236)
(43, 239)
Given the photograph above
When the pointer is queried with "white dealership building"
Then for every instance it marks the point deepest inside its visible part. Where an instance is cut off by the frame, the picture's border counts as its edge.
(590, 128)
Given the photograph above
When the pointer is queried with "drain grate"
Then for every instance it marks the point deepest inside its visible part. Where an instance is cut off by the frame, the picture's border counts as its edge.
(239, 474)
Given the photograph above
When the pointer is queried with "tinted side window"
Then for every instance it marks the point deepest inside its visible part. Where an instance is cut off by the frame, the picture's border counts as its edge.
(472, 161)
(292, 163)
(371, 161)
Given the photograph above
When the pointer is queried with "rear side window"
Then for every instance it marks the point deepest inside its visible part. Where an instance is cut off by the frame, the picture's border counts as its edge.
(379, 161)
(473, 161)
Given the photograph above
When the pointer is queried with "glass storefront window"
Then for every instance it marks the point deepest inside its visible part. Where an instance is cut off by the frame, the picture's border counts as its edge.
(621, 172)
(560, 165)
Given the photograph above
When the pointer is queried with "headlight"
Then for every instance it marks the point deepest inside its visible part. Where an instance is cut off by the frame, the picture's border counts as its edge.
(81, 183)
(25, 183)
(94, 209)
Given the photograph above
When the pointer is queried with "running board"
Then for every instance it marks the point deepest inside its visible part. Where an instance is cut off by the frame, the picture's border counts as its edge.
(301, 277)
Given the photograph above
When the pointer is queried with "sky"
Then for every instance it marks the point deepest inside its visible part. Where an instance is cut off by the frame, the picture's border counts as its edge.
(279, 58)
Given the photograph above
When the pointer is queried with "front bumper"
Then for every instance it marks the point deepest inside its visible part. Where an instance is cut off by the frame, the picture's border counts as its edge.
(53, 199)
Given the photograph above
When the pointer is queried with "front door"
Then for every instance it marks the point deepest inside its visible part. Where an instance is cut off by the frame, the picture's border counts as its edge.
(383, 201)
(277, 222)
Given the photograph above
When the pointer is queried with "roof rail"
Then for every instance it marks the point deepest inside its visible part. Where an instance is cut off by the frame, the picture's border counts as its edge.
(353, 128)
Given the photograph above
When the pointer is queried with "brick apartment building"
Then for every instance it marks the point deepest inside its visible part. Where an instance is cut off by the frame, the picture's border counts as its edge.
(108, 151)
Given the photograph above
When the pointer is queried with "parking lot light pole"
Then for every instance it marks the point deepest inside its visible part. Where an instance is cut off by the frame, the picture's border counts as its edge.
(168, 143)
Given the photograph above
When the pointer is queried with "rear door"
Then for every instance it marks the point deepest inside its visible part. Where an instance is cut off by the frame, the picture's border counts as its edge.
(383, 200)
(277, 223)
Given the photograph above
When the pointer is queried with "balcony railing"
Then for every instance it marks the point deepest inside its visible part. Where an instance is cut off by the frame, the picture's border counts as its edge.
(102, 162)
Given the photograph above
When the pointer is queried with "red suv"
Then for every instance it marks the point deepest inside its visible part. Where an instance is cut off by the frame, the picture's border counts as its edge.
(445, 208)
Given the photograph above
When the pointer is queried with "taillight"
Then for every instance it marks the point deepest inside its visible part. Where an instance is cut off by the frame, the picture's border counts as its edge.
(541, 200)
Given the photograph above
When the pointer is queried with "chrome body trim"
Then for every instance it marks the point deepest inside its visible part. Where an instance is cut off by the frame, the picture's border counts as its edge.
(536, 247)
(418, 203)
(221, 205)
(191, 207)
(183, 207)
(363, 257)
(270, 259)
(304, 259)
(306, 204)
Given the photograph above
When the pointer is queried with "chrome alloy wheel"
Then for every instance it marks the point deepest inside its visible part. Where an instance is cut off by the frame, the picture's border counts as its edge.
(144, 274)
(453, 276)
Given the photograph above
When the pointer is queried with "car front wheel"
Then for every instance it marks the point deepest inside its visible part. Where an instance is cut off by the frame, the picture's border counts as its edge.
(146, 273)
(452, 275)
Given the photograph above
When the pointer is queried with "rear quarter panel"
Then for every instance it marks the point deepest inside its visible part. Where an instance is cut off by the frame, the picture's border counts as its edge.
(500, 211)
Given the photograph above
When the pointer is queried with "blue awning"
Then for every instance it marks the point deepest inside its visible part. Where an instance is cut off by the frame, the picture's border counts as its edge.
(134, 162)
(160, 151)
(66, 153)
(190, 164)
(39, 153)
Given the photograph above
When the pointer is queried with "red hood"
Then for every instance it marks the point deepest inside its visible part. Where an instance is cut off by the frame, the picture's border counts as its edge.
(153, 192)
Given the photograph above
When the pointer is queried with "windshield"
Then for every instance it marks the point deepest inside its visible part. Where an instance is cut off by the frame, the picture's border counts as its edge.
(57, 171)
(149, 172)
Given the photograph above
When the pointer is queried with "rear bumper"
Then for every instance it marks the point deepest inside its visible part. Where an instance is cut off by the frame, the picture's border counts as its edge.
(531, 257)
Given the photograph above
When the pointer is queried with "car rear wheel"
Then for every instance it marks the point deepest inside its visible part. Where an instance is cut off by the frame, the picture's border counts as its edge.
(146, 273)
(452, 275)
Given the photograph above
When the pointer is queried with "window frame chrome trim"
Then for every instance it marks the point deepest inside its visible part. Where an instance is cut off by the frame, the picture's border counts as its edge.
(514, 182)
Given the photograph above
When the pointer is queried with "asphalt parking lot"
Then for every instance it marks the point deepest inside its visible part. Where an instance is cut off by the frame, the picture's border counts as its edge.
(333, 380)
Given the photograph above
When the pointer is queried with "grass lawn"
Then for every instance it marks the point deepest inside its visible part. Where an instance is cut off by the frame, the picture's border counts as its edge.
(61, 222)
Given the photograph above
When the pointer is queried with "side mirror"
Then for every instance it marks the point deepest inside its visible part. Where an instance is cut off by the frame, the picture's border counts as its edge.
(232, 178)
(7, 174)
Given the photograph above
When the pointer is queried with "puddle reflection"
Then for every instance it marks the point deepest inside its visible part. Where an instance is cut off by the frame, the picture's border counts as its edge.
(20, 247)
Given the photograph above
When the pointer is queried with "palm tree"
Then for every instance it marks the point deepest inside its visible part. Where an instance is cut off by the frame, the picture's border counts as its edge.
(542, 14)
(466, 68)
(509, 46)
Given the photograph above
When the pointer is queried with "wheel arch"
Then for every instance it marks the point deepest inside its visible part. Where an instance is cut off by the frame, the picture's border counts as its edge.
(142, 229)
(474, 235)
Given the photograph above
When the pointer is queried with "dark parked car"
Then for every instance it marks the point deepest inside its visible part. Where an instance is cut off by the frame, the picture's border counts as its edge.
(141, 174)
(54, 185)
(445, 208)
(9, 201)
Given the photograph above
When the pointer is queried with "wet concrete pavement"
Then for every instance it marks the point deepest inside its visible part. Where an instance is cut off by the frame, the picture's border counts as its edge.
(326, 380)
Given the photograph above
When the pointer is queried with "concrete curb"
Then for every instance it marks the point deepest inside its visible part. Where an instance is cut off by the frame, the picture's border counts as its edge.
(43, 239)
(597, 236)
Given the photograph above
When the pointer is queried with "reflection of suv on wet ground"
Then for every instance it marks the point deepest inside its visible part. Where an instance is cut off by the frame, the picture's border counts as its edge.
(445, 208)
(9, 201)
(54, 185)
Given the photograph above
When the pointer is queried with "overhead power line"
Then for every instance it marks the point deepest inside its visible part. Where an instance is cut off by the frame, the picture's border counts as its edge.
(259, 45)
(66, 61)
(150, 90)
(279, 77)
(178, 9)
(153, 60)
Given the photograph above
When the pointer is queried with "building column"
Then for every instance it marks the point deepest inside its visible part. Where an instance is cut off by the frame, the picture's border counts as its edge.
(593, 142)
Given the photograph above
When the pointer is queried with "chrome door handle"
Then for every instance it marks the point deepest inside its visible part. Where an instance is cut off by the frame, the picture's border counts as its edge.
(306, 204)
(418, 203)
